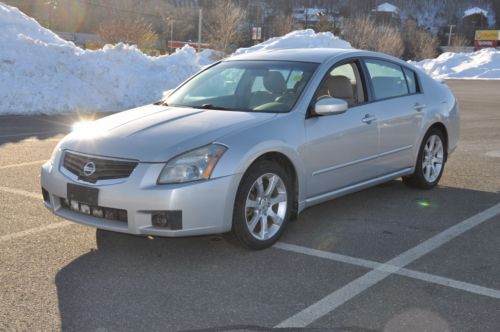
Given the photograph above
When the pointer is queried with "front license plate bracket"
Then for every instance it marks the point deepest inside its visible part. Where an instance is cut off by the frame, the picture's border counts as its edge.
(82, 194)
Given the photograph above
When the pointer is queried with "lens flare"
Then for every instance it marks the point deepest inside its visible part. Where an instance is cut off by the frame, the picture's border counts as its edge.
(87, 130)
(423, 203)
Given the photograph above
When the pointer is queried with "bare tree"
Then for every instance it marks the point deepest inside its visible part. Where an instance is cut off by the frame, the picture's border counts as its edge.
(459, 40)
(137, 32)
(283, 24)
(222, 24)
(324, 24)
(364, 33)
(419, 44)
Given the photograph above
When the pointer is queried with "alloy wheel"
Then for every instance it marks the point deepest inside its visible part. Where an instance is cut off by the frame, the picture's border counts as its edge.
(432, 163)
(265, 206)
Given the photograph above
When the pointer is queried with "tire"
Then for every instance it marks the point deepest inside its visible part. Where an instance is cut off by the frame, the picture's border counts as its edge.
(263, 205)
(430, 161)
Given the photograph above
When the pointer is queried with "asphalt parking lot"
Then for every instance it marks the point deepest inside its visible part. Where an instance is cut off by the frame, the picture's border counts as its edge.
(388, 258)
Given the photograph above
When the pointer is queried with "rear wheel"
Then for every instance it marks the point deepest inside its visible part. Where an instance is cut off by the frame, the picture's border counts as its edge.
(263, 204)
(430, 161)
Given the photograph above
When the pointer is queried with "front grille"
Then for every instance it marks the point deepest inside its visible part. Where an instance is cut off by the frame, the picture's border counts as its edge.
(95, 211)
(92, 169)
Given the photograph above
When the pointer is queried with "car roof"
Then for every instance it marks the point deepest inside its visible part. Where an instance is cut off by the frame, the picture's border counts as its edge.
(317, 55)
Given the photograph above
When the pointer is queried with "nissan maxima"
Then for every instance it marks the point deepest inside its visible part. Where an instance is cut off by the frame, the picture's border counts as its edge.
(248, 143)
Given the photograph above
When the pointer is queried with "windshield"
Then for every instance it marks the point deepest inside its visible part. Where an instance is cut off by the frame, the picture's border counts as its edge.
(265, 86)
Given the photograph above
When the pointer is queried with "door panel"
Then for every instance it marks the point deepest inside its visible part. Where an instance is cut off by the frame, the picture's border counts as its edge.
(399, 124)
(340, 150)
(398, 107)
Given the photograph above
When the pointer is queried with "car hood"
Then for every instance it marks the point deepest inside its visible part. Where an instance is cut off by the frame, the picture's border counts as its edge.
(157, 133)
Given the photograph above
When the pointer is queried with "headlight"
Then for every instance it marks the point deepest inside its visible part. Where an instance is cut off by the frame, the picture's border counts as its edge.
(192, 166)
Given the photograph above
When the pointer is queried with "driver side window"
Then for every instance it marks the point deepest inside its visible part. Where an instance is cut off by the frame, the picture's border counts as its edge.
(343, 82)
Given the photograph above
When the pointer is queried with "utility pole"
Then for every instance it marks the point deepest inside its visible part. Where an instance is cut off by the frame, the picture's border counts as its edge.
(170, 22)
(449, 35)
(200, 20)
(306, 14)
(52, 6)
(171, 35)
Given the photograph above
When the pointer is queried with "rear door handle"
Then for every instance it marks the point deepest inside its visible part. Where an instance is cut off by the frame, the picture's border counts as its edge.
(368, 119)
(419, 107)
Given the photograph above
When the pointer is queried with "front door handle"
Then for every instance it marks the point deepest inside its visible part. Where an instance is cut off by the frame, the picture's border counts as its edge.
(368, 119)
(418, 107)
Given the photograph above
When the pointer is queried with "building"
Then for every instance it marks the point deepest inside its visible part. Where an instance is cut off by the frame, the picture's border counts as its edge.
(386, 13)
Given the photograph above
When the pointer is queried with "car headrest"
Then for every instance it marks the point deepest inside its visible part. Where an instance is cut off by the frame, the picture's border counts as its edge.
(274, 82)
(340, 87)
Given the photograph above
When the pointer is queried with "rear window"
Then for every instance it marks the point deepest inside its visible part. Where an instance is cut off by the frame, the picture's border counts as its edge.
(388, 79)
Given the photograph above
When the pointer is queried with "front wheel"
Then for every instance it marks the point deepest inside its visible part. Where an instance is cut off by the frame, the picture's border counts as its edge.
(263, 204)
(430, 161)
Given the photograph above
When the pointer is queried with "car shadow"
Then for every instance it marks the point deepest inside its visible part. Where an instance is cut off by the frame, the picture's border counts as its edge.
(15, 128)
(140, 283)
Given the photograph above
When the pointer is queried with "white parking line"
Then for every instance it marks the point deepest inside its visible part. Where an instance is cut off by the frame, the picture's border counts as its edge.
(23, 164)
(346, 293)
(30, 134)
(379, 271)
(443, 281)
(30, 231)
(21, 192)
(35, 230)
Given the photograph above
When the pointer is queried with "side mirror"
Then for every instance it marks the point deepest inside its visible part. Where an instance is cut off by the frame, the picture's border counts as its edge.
(330, 106)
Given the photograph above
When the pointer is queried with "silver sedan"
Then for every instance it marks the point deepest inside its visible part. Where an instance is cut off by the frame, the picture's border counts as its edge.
(248, 143)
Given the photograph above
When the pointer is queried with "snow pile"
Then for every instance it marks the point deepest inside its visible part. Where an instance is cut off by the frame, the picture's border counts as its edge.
(42, 73)
(298, 39)
(484, 64)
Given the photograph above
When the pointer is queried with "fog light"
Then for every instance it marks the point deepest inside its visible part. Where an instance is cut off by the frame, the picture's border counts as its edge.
(159, 220)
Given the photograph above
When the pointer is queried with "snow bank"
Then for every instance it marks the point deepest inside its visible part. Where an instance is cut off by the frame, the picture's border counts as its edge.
(483, 64)
(42, 73)
(298, 39)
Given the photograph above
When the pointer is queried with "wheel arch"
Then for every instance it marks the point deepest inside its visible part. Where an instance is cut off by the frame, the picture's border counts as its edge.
(440, 126)
(286, 162)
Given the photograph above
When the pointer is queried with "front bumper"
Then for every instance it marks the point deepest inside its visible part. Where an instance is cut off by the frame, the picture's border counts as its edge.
(207, 206)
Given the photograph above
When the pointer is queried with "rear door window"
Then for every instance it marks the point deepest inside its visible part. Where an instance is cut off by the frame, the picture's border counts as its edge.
(411, 79)
(388, 79)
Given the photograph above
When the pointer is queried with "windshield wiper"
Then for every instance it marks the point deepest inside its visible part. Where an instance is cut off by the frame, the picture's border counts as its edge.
(211, 107)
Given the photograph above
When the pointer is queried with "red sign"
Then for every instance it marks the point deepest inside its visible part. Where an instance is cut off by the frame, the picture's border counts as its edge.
(479, 44)
(181, 44)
